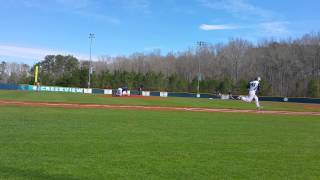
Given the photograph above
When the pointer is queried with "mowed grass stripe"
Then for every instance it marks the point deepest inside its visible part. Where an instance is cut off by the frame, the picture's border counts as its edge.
(55, 143)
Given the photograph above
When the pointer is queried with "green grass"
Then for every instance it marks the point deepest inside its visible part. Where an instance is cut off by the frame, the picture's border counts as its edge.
(54, 143)
(176, 102)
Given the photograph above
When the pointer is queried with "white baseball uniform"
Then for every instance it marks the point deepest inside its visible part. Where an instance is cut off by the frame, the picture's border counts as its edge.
(119, 92)
(253, 88)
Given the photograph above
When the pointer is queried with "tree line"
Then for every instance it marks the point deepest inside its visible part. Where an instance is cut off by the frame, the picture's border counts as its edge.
(288, 67)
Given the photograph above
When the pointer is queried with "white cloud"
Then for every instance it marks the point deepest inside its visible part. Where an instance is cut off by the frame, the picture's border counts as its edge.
(84, 8)
(239, 8)
(34, 54)
(99, 17)
(270, 28)
(76, 4)
(208, 27)
(134, 5)
(276, 27)
(87, 9)
(24, 52)
(249, 16)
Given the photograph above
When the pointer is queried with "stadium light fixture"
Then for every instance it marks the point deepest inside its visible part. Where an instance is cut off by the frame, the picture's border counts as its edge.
(91, 37)
(200, 45)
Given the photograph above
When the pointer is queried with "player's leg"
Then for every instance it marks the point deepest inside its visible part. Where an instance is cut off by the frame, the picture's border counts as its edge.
(247, 98)
(257, 101)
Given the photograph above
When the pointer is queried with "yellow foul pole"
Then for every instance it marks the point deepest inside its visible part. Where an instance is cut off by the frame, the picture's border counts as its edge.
(36, 72)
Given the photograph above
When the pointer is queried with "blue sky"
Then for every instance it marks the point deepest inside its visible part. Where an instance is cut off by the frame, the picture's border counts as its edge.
(30, 29)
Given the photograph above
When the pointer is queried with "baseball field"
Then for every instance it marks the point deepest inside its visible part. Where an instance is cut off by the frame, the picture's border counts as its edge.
(74, 136)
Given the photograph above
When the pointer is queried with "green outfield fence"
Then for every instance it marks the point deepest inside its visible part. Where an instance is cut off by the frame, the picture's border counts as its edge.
(24, 87)
(9, 86)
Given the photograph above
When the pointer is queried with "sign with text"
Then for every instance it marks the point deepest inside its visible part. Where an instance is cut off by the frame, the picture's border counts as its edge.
(56, 89)
(145, 93)
(163, 94)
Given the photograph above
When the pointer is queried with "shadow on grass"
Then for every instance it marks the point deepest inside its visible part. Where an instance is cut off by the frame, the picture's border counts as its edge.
(12, 173)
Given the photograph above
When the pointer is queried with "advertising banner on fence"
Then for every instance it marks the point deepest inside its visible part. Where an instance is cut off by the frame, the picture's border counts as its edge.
(56, 89)
(108, 91)
(145, 93)
(163, 94)
(87, 91)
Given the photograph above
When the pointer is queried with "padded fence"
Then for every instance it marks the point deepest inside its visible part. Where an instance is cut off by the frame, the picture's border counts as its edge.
(97, 91)
(9, 86)
(293, 100)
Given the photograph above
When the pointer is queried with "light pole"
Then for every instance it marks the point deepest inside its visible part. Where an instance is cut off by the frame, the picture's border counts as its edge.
(91, 37)
(200, 44)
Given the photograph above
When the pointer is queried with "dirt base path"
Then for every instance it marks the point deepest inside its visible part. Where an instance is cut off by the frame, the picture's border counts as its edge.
(154, 108)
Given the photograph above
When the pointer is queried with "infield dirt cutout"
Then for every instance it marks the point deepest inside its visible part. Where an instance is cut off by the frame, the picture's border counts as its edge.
(153, 108)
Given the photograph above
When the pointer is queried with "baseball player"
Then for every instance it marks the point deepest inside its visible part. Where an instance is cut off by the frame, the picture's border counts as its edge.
(253, 87)
(125, 91)
(119, 92)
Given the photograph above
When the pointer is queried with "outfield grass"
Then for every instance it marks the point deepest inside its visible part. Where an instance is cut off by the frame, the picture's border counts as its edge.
(173, 102)
(54, 143)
